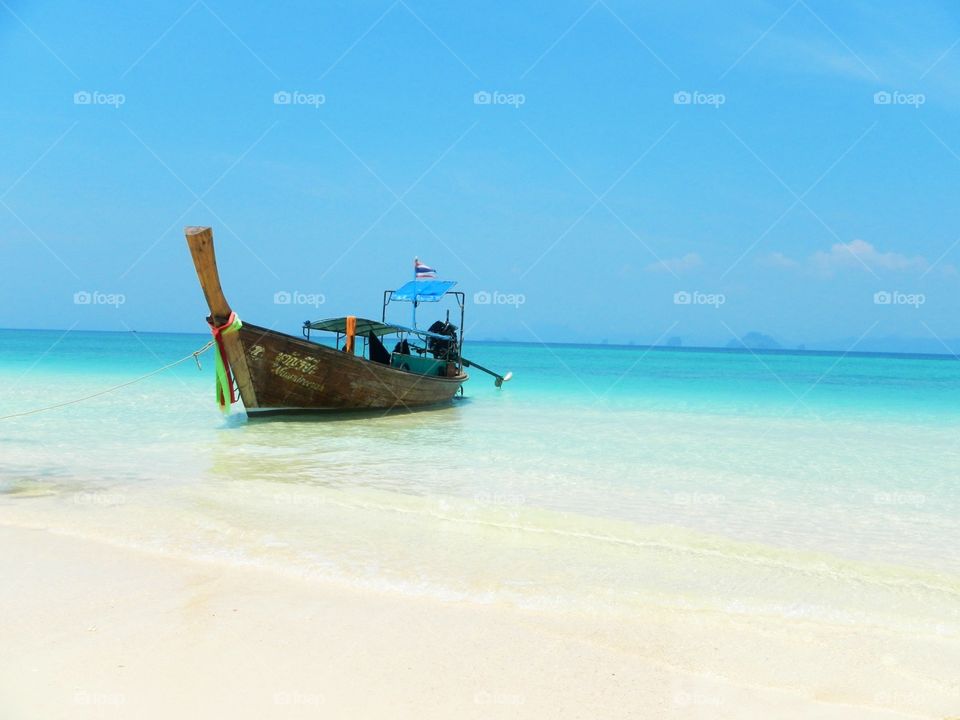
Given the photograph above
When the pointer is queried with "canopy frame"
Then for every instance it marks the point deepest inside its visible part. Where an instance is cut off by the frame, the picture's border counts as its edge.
(432, 293)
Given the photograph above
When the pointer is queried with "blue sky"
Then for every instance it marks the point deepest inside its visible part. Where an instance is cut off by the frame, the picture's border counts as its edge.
(613, 170)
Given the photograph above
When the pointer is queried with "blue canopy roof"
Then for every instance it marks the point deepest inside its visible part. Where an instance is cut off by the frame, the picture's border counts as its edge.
(423, 290)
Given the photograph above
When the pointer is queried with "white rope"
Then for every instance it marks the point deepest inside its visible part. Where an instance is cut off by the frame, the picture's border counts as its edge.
(195, 355)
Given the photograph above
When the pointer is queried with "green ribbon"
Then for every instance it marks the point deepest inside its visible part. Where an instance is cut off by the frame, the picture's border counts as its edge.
(224, 383)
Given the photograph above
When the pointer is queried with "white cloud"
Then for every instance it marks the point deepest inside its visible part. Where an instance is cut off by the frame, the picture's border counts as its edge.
(860, 253)
(778, 260)
(676, 265)
(856, 254)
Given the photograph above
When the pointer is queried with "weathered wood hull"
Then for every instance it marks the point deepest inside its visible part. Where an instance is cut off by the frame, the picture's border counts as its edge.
(291, 374)
(277, 373)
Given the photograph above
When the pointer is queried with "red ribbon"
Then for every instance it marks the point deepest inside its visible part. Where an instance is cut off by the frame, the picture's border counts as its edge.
(218, 338)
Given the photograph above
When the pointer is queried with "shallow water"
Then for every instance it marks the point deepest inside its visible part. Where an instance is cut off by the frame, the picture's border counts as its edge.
(600, 480)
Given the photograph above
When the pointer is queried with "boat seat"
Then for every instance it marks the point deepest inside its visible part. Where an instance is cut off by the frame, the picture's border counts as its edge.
(378, 353)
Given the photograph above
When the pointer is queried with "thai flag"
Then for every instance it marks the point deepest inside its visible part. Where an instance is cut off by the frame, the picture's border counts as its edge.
(422, 271)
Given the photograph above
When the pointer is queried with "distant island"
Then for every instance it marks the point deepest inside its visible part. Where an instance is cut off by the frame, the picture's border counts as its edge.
(754, 341)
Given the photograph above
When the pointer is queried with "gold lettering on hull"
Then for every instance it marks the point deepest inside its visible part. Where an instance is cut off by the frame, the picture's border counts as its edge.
(293, 368)
(294, 362)
(297, 379)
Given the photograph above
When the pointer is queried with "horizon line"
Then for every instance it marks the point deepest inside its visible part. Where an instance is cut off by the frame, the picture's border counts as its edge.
(606, 345)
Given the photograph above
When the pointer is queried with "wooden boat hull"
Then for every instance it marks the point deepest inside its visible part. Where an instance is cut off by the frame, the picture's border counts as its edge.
(291, 374)
(275, 372)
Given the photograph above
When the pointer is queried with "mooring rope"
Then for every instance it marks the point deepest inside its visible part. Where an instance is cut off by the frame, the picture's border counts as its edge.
(194, 355)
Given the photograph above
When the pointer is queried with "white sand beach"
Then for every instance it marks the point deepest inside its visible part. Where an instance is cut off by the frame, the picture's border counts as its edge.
(92, 630)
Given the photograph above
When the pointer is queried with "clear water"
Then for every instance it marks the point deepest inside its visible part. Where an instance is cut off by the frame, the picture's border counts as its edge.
(601, 479)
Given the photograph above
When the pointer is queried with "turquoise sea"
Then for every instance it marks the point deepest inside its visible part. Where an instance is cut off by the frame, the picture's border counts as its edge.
(813, 486)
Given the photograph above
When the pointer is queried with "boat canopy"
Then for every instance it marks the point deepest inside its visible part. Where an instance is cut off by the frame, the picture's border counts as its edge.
(365, 327)
(423, 291)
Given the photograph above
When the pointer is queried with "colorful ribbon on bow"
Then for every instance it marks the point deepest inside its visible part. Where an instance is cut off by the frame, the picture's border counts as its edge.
(224, 388)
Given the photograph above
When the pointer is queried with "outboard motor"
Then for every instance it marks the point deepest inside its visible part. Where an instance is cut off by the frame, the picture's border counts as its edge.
(444, 349)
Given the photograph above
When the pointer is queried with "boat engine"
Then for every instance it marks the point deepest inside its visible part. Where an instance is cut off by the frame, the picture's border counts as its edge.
(444, 349)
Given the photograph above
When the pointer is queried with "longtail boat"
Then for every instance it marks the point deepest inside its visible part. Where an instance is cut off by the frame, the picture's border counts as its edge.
(273, 372)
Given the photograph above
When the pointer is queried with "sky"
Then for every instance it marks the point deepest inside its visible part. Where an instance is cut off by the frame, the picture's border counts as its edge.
(588, 171)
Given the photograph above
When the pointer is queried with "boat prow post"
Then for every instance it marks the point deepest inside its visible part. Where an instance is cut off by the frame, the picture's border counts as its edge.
(200, 242)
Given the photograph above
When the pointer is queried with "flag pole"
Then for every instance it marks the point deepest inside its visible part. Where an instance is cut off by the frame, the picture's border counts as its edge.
(414, 320)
